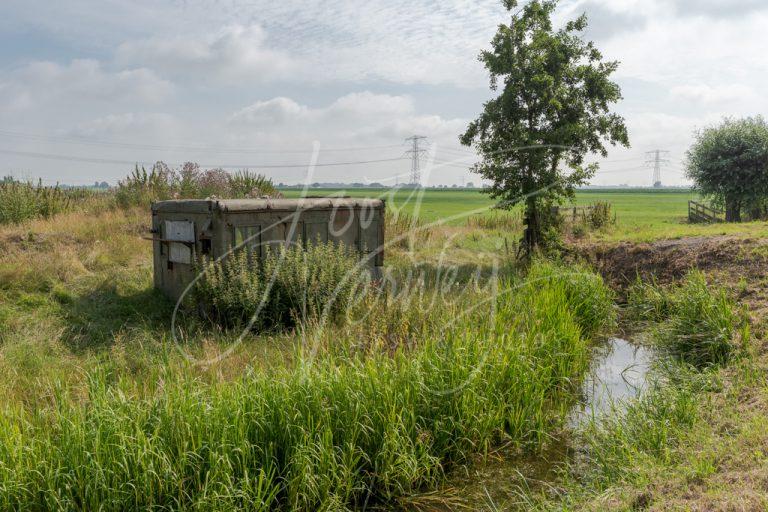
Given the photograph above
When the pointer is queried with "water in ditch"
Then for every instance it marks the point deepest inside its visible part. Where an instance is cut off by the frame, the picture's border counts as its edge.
(618, 373)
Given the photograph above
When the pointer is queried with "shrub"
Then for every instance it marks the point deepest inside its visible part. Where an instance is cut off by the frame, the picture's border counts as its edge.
(249, 184)
(142, 187)
(190, 182)
(286, 286)
(24, 201)
(598, 215)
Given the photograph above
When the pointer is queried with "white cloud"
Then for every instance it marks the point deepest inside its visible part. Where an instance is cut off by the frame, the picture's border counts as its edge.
(234, 52)
(607, 20)
(116, 126)
(81, 81)
(373, 105)
(313, 40)
(717, 8)
(706, 94)
(360, 116)
(275, 111)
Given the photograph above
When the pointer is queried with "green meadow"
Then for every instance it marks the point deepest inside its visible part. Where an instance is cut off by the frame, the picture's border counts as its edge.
(641, 215)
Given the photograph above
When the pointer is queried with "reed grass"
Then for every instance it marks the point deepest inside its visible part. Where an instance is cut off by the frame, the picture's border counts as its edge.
(142, 187)
(336, 430)
(23, 201)
(497, 220)
(404, 230)
(696, 323)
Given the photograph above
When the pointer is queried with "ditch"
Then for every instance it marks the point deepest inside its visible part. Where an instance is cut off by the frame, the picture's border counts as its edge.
(501, 480)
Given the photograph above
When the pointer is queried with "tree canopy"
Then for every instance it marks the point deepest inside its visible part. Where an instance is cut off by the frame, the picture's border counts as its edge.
(729, 164)
(553, 110)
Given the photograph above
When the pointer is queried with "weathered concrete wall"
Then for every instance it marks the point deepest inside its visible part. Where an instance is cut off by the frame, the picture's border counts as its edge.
(185, 230)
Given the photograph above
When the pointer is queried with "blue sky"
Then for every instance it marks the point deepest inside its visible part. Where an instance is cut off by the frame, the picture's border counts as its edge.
(257, 83)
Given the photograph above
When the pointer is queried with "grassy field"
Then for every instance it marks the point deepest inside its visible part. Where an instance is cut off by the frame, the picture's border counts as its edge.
(101, 408)
(641, 216)
(451, 206)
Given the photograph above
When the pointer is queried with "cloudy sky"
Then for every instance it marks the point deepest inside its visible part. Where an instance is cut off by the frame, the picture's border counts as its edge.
(89, 86)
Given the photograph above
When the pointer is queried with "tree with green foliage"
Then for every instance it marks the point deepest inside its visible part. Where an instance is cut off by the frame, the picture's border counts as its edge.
(553, 110)
(729, 164)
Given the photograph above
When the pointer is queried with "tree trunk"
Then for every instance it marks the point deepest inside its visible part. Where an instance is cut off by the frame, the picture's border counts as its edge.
(732, 210)
(757, 213)
(532, 233)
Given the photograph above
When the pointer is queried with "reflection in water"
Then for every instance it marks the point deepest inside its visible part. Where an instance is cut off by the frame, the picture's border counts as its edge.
(618, 373)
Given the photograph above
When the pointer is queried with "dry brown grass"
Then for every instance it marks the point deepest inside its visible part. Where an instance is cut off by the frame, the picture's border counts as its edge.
(39, 253)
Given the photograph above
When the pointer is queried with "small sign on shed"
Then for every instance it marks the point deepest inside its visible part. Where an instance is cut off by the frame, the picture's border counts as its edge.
(180, 231)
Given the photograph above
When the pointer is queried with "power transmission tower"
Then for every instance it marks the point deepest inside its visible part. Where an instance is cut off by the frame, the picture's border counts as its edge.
(656, 159)
(416, 153)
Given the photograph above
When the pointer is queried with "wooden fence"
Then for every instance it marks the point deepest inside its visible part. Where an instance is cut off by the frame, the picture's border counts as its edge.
(572, 213)
(701, 213)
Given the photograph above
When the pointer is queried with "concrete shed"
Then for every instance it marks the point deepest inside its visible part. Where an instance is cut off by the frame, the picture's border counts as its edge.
(184, 230)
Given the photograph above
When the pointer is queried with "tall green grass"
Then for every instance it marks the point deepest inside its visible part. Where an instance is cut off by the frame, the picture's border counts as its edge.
(629, 442)
(697, 324)
(497, 220)
(404, 230)
(23, 201)
(142, 187)
(703, 325)
(330, 432)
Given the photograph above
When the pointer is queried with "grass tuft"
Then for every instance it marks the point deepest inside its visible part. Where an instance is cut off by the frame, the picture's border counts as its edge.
(698, 325)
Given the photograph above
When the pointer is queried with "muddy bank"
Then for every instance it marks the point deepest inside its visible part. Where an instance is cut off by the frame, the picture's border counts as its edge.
(738, 264)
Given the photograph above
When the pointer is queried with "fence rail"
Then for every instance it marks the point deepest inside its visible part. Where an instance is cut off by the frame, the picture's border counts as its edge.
(701, 213)
(572, 213)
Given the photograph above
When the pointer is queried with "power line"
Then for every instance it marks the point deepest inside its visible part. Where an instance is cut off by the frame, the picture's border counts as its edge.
(453, 163)
(456, 151)
(470, 155)
(154, 147)
(416, 153)
(621, 160)
(656, 158)
(449, 163)
(72, 158)
(627, 169)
